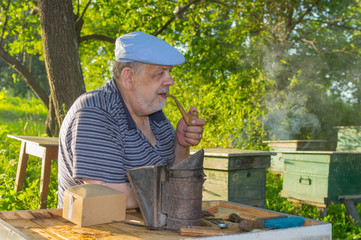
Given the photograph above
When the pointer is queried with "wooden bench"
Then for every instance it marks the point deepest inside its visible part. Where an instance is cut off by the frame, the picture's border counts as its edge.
(45, 148)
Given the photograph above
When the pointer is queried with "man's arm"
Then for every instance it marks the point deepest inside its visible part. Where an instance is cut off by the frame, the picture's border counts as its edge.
(180, 152)
(121, 187)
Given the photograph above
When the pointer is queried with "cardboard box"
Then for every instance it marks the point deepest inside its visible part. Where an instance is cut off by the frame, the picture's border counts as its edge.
(92, 204)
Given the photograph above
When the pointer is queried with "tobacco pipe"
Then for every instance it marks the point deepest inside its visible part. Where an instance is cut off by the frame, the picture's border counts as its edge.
(187, 118)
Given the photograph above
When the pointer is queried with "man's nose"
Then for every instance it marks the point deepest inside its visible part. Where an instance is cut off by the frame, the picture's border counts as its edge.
(169, 81)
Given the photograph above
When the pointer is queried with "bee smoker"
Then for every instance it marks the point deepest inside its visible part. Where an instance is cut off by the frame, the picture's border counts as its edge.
(170, 196)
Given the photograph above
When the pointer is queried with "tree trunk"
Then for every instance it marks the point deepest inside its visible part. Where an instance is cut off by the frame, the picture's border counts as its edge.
(51, 124)
(61, 54)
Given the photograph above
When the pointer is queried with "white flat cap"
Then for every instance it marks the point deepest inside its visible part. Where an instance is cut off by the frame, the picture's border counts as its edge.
(145, 48)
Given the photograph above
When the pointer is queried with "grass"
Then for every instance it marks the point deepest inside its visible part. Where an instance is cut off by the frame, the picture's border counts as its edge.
(21, 117)
(27, 117)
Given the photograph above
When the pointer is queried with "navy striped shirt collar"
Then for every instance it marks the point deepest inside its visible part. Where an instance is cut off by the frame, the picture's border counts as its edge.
(156, 117)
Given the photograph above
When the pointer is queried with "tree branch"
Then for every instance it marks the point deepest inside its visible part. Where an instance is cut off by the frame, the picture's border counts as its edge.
(78, 8)
(180, 12)
(326, 51)
(222, 3)
(79, 21)
(297, 21)
(97, 37)
(305, 13)
(26, 74)
(345, 27)
(86, 8)
(312, 44)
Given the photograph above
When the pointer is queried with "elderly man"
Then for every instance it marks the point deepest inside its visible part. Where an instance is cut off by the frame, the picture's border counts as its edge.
(121, 125)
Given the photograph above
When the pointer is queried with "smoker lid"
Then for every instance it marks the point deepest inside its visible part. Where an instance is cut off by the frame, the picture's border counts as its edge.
(194, 161)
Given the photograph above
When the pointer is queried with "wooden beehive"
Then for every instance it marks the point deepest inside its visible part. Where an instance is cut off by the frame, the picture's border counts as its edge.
(349, 138)
(277, 162)
(321, 177)
(236, 175)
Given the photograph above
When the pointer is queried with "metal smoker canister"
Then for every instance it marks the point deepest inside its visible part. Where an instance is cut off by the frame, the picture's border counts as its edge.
(184, 198)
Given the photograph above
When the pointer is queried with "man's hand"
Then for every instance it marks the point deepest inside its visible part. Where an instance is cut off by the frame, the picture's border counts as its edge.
(187, 136)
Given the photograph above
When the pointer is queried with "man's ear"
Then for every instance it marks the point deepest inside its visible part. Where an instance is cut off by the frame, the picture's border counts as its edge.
(127, 77)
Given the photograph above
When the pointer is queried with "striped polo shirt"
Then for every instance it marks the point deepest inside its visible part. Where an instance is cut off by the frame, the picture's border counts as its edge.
(99, 140)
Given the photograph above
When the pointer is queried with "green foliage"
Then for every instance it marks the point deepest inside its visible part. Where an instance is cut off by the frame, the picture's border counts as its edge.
(233, 113)
(21, 38)
(21, 117)
(22, 29)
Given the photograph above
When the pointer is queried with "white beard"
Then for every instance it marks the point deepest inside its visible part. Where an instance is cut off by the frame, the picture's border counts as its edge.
(151, 107)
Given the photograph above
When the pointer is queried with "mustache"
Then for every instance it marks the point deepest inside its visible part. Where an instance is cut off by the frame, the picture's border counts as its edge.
(163, 91)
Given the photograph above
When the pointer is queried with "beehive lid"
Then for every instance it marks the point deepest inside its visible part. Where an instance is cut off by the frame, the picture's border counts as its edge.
(230, 152)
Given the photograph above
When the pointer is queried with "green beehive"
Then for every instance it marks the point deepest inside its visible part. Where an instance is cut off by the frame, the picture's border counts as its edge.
(321, 177)
(349, 138)
(236, 175)
(277, 161)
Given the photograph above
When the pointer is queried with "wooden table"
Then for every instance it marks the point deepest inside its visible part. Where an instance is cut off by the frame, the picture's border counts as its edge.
(49, 224)
(45, 148)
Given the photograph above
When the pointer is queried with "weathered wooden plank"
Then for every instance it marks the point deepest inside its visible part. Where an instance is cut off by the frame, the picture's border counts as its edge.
(323, 232)
(9, 232)
(31, 229)
(351, 197)
(297, 145)
(229, 207)
(234, 159)
(236, 162)
(144, 233)
(196, 231)
(96, 232)
(351, 210)
(231, 152)
(9, 215)
(30, 214)
(45, 141)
